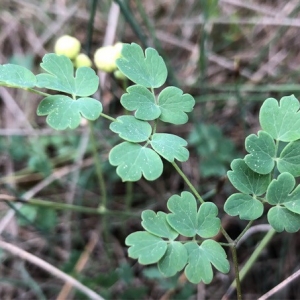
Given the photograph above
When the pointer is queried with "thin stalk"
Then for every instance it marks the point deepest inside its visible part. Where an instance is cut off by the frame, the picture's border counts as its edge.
(91, 26)
(236, 241)
(108, 117)
(171, 75)
(37, 92)
(267, 238)
(64, 206)
(132, 22)
(190, 185)
(101, 182)
(236, 272)
(26, 89)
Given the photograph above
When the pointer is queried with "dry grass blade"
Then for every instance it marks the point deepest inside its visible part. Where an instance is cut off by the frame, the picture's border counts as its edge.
(49, 268)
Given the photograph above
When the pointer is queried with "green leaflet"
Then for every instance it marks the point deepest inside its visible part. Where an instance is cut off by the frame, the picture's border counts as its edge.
(170, 146)
(281, 218)
(281, 120)
(16, 76)
(61, 76)
(157, 224)
(131, 129)
(244, 206)
(262, 152)
(64, 112)
(145, 247)
(174, 105)
(142, 100)
(174, 259)
(280, 191)
(186, 220)
(201, 258)
(148, 70)
(289, 160)
(133, 161)
(247, 181)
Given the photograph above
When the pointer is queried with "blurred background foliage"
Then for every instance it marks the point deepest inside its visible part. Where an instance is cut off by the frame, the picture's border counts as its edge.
(230, 55)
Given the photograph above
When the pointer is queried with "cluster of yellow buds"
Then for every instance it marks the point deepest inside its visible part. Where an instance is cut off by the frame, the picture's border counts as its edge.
(105, 57)
(70, 47)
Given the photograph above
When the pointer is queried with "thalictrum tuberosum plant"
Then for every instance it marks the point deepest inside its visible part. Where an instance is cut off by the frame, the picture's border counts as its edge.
(265, 178)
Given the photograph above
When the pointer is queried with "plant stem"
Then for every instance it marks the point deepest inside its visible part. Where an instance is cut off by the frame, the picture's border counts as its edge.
(190, 185)
(129, 17)
(267, 238)
(243, 232)
(236, 272)
(93, 8)
(101, 182)
(108, 117)
(63, 206)
(37, 92)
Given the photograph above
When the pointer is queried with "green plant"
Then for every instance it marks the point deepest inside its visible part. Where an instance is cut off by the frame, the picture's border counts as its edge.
(265, 177)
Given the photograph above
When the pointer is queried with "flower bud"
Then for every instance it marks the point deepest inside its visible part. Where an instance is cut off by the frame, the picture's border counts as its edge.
(105, 57)
(119, 75)
(82, 60)
(68, 46)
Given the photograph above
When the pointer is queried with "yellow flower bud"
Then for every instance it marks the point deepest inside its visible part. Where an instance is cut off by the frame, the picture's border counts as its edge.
(105, 57)
(68, 46)
(119, 75)
(82, 60)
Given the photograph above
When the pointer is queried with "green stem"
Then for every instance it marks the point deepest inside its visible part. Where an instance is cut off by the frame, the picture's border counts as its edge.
(129, 17)
(67, 207)
(236, 272)
(37, 92)
(108, 117)
(190, 185)
(101, 182)
(267, 238)
(91, 26)
(243, 232)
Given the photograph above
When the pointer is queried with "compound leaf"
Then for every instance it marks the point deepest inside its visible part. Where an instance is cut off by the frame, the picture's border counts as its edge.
(170, 146)
(247, 181)
(289, 160)
(280, 191)
(148, 70)
(131, 129)
(145, 247)
(64, 112)
(244, 206)
(133, 161)
(174, 260)
(174, 105)
(280, 218)
(262, 152)
(16, 76)
(281, 121)
(142, 100)
(187, 221)
(61, 76)
(201, 258)
(157, 224)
